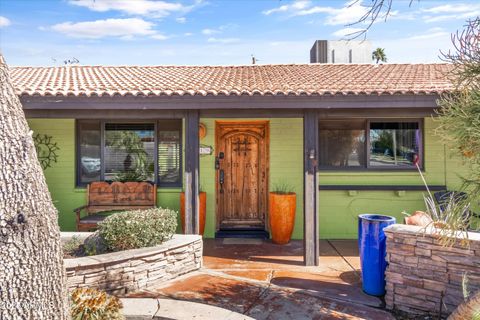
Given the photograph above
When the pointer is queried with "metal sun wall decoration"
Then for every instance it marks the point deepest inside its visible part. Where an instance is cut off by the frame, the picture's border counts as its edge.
(46, 150)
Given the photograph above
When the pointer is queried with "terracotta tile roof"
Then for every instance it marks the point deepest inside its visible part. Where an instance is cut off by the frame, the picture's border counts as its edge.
(294, 79)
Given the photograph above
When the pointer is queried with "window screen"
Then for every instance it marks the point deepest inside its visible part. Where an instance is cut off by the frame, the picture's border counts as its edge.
(129, 151)
(89, 152)
(169, 152)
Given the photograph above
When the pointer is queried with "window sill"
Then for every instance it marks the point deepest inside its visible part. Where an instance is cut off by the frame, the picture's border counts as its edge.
(372, 172)
(159, 189)
(381, 187)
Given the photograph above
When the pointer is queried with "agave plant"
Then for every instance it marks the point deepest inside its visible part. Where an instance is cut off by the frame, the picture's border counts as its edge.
(451, 220)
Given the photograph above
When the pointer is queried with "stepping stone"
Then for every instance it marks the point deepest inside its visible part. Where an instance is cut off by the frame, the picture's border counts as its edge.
(142, 309)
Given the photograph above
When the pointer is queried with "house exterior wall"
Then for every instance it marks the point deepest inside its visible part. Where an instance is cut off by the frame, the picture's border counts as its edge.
(61, 176)
(337, 209)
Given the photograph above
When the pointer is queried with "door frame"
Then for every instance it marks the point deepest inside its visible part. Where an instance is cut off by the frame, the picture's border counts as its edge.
(247, 123)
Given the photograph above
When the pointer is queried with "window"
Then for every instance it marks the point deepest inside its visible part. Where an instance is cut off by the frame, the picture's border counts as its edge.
(363, 144)
(350, 56)
(89, 152)
(170, 153)
(342, 144)
(129, 151)
(333, 56)
(394, 144)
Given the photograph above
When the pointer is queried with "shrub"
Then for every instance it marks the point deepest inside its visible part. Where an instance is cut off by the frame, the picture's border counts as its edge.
(71, 246)
(88, 303)
(94, 244)
(138, 228)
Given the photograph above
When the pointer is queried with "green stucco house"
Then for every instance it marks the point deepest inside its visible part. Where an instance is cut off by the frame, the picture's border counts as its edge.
(343, 137)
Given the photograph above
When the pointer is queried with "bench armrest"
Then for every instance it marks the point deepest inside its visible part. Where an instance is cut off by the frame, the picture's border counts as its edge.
(79, 209)
(77, 213)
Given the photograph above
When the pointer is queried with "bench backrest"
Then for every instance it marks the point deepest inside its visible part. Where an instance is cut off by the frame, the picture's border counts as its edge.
(122, 194)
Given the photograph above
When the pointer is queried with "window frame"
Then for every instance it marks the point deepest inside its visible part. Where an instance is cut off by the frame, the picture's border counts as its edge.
(155, 122)
(368, 167)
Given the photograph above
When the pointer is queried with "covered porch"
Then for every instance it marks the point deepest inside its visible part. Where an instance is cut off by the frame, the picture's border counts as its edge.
(266, 281)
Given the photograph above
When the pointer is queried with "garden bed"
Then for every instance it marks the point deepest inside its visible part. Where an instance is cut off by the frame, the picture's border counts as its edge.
(425, 277)
(131, 270)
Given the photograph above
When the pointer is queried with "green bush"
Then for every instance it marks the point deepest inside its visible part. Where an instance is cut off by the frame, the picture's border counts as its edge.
(138, 228)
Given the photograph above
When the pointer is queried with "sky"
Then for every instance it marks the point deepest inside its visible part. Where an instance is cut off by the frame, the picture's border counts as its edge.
(210, 32)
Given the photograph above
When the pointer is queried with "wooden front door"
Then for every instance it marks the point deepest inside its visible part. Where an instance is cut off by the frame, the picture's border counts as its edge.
(241, 174)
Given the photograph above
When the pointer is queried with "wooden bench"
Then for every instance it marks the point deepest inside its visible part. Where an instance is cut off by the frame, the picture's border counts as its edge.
(115, 196)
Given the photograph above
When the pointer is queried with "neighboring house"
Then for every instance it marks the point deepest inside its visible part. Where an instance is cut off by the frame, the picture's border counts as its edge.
(341, 51)
(354, 128)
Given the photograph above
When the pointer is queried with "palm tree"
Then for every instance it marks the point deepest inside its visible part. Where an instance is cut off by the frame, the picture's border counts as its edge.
(379, 55)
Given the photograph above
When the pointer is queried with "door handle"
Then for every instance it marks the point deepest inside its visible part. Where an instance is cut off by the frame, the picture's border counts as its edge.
(221, 179)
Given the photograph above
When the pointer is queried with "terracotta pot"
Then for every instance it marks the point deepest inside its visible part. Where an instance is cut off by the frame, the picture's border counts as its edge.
(468, 153)
(282, 216)
(203, 210)
(419, 218)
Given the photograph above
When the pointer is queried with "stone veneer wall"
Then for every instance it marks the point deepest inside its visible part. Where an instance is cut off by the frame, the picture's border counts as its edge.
(132, 270)
(424, 277)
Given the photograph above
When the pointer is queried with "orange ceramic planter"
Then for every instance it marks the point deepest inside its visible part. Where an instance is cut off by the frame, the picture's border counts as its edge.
(282, 216)
(203, 210)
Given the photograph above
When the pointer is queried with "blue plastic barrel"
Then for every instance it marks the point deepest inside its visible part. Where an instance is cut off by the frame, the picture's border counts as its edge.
(372, 247)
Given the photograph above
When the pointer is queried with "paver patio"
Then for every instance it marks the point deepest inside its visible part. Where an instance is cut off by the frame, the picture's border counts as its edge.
(267, 281)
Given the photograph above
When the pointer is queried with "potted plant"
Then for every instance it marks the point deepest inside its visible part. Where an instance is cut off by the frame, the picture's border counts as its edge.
(283, 204)
(203, 209)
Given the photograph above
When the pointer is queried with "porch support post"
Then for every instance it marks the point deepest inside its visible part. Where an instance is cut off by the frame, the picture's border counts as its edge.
(192, 172)
(310, 210)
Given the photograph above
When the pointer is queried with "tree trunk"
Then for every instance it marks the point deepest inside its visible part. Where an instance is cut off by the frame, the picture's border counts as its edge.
(468, 310)
(32, 275)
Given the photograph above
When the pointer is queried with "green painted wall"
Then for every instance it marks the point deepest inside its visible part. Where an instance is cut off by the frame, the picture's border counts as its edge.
(61, 176)
(337, 209)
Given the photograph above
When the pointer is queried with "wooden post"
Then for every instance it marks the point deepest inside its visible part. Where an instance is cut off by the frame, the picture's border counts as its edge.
(192, 147)
(310, 210)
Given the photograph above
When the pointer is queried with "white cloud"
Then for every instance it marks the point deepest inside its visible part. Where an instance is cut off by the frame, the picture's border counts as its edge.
(453, 8)
(297, 5)
(208, 32)
(458, 11)
(4, 22)
(157, 9)
(347, 32)
(188, 34)
(447, 17)
(349, 13)
(430, 33)
(221, 29)
(159, 36)
(124, 28)
(223, 40)
(181, 20)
